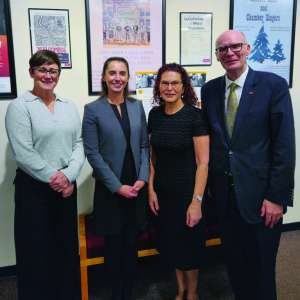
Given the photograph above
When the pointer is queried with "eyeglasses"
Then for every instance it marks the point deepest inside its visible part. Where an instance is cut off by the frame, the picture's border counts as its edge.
(174, 84)
(52, 72)
(233, 47)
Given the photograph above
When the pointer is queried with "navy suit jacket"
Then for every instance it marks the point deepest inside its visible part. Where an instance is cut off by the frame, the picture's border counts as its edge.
(260, 155)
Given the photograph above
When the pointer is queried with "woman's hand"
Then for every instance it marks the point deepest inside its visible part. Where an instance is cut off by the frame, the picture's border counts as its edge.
(153, 202)
(138, 185)
(194, 213)
(127, 191)
(58, 181)
(68, 191)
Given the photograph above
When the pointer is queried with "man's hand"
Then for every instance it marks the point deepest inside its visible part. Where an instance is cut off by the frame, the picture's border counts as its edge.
(59, 181)
(272, 212)
(194, 213)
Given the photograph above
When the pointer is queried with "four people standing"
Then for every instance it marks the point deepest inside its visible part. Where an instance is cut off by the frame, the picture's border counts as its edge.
(179, 166)
(44, 132)
(116, 145)
(249, 117)
(252, 161)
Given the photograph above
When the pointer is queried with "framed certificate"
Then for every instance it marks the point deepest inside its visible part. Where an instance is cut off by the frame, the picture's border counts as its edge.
(195, 39)
(269, 27)
(7, 68)
(49, 29)
(131, 29)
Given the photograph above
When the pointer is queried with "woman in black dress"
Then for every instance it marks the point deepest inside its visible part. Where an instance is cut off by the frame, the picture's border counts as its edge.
(178, 174)
(116, 144)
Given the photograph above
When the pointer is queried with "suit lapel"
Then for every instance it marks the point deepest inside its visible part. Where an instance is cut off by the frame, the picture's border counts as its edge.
(245, 104)
(221, 107)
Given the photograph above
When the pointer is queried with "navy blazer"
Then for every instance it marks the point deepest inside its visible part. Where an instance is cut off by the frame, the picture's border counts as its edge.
(105, 143)
(261, 153)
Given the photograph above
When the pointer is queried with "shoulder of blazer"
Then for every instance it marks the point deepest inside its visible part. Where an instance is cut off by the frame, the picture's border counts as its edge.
(98, 102)
(132, 100)
(265, 78)
(215, 83)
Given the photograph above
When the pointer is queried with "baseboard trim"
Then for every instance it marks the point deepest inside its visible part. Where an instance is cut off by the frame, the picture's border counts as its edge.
(8, 271)
(291, 226)
(11, 270)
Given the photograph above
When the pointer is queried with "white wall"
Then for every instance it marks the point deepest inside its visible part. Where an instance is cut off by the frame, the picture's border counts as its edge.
(73, 84)
(220, 10)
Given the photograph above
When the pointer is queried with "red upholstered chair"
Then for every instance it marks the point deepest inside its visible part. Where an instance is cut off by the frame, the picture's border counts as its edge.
(92, 246)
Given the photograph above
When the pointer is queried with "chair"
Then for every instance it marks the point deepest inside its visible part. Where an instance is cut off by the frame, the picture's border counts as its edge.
(91, 248)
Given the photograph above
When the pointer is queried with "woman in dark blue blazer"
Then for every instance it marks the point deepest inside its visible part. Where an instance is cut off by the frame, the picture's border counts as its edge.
(116, 145)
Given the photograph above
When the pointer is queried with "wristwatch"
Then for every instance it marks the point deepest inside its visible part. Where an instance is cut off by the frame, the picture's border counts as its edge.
(198, 198)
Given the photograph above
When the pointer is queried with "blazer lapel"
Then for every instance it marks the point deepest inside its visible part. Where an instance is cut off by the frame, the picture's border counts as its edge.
(115, 124)
(132, 114)
(245, 102)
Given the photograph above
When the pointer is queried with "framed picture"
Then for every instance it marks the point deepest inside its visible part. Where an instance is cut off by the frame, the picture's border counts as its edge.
(195, 39)
(8, 88)
(49, 29)
(269, 28)
(133, 29)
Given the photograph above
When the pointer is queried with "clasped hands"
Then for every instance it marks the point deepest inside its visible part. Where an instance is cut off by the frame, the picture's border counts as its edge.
(129, 191)
(60, 183)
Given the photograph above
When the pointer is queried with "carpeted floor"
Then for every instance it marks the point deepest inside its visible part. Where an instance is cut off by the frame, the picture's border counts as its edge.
(213, 281)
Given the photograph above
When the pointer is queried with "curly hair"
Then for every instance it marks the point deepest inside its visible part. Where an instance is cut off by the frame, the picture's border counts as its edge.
(105, 66)
(188, 96)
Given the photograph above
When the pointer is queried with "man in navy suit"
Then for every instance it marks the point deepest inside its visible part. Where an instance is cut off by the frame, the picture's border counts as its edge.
(252, 161)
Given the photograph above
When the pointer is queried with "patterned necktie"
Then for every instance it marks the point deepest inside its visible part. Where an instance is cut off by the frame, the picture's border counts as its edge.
(232, 105)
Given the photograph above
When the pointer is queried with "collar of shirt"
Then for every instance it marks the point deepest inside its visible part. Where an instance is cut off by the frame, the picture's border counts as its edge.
(29, 97)
(240, 82)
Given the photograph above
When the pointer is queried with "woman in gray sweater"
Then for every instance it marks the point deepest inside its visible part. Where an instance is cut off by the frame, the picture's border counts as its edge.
(44, 132)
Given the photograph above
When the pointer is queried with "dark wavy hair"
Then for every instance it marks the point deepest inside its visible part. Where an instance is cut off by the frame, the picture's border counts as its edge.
(188, 96)
(105, 66)
(44, 57)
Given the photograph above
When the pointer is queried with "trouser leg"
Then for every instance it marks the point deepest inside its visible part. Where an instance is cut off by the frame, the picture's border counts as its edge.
(121, 259)
(68, 270)
(34, 238)
(250, 253)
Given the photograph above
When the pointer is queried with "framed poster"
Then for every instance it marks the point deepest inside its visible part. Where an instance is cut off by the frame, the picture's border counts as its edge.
(49, 29)
(133, 29)
(195, 39)
(269, 27)
(8, 88)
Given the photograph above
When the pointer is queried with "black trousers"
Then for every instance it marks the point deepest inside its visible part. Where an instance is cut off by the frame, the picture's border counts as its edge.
(250, 253)
(46, 242)
(121, 262)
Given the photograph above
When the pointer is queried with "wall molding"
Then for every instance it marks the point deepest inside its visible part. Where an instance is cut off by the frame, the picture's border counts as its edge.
(11, 270)
(291, 226)
(8, 271)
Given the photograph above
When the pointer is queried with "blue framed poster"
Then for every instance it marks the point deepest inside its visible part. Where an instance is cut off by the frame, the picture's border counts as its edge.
(269, 27)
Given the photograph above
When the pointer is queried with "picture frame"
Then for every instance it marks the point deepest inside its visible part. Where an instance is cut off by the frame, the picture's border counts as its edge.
(50, 29)
(133, 29)
(195, 38)
(8, 89)
(269, 28)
